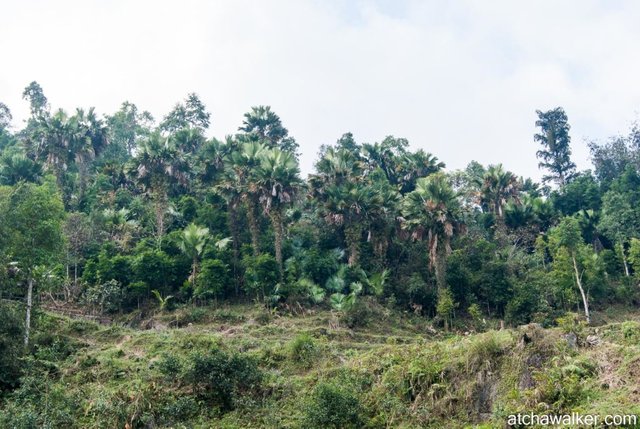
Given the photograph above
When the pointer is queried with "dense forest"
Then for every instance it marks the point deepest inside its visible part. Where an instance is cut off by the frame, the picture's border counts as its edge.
(125, 216)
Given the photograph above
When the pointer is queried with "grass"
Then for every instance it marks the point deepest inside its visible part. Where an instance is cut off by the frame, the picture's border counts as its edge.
(394, 371)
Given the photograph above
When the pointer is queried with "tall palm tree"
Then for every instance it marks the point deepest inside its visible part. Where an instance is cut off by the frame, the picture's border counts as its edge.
(192, 242)
(432, 211)
(278, 179)
(240, 176)
(264, 124)
(497, 188)
(158, 165)
(345, 196)
(416, 165)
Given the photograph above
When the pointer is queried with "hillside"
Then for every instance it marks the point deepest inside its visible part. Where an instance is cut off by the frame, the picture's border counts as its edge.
(242, 366)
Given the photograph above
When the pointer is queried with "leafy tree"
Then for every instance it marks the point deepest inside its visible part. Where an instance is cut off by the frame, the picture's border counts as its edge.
(555, 155)
(11, 332)
(613, 157)
(191, 113)
(127, 126)
(582, 193)
(32, 228)
(5, 117)
(620, 217)
(213, 279)
(37, 101)
(566, 237)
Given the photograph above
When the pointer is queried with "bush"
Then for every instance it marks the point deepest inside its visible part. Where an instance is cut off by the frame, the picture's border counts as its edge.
(212, 280)
(303, 349)
(223, 378)
(106, 296)
(261, 275)
(333, 406)
(170, 366)
(11, 346)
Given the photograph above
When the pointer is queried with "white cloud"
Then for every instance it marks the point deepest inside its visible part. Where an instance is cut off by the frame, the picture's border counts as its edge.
(460, 79)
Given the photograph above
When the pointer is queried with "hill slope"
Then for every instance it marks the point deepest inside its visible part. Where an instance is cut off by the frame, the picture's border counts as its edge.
(243, 366)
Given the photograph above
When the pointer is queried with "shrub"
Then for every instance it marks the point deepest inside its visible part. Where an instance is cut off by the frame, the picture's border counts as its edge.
(212, 280)
(333, 406)
(11, 346)
(303, 349)
(106, 296)
(170, 366)
(631, 332)
(261, 275)
(223, 378)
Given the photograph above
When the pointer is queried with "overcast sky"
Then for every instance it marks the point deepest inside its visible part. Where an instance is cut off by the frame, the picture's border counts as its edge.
(461, 79)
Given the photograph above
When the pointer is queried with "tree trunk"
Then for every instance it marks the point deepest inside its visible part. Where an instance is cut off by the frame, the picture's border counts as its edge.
(235, 236)
(27, 325)
(160, 209)
(440, 270)
(579, 282)
(276, 219)
(352, 234)
(253, 227)
(194, 272)
(624, 260)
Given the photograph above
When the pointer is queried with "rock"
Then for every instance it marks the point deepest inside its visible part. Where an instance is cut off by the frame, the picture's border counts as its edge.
(572, 340)
(593, 340)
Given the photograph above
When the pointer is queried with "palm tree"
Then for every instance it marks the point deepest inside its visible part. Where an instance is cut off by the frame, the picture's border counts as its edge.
(416, 165)
(17, 167)
(345, 195)
(278, 179)
(192, 242)
(432, 211)
(497, 188)
(263, 124)
(158, 165)
(240, 178)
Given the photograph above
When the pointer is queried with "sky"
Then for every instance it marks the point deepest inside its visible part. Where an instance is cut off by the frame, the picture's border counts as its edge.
(461, 79)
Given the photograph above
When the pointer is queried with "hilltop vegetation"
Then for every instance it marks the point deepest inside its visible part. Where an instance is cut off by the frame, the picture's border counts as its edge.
(344, 294)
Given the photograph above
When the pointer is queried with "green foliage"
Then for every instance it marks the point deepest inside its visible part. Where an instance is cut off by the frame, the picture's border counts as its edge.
(445, 306)
(163, 302)
(333, 406)
(555, 155)
(11, 331)
(213, 280)
(222, 378)
(303, 350)
(154, 268)
(107, 296)
(261, 274)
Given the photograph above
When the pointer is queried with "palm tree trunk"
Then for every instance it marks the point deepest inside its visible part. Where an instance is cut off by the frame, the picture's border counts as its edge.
(440, 270)
(235, 236)
(160, 209)
(352, 234)
(253, 227)
(579, 283)
(27, 325)
(194, 271)
(276, 219)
